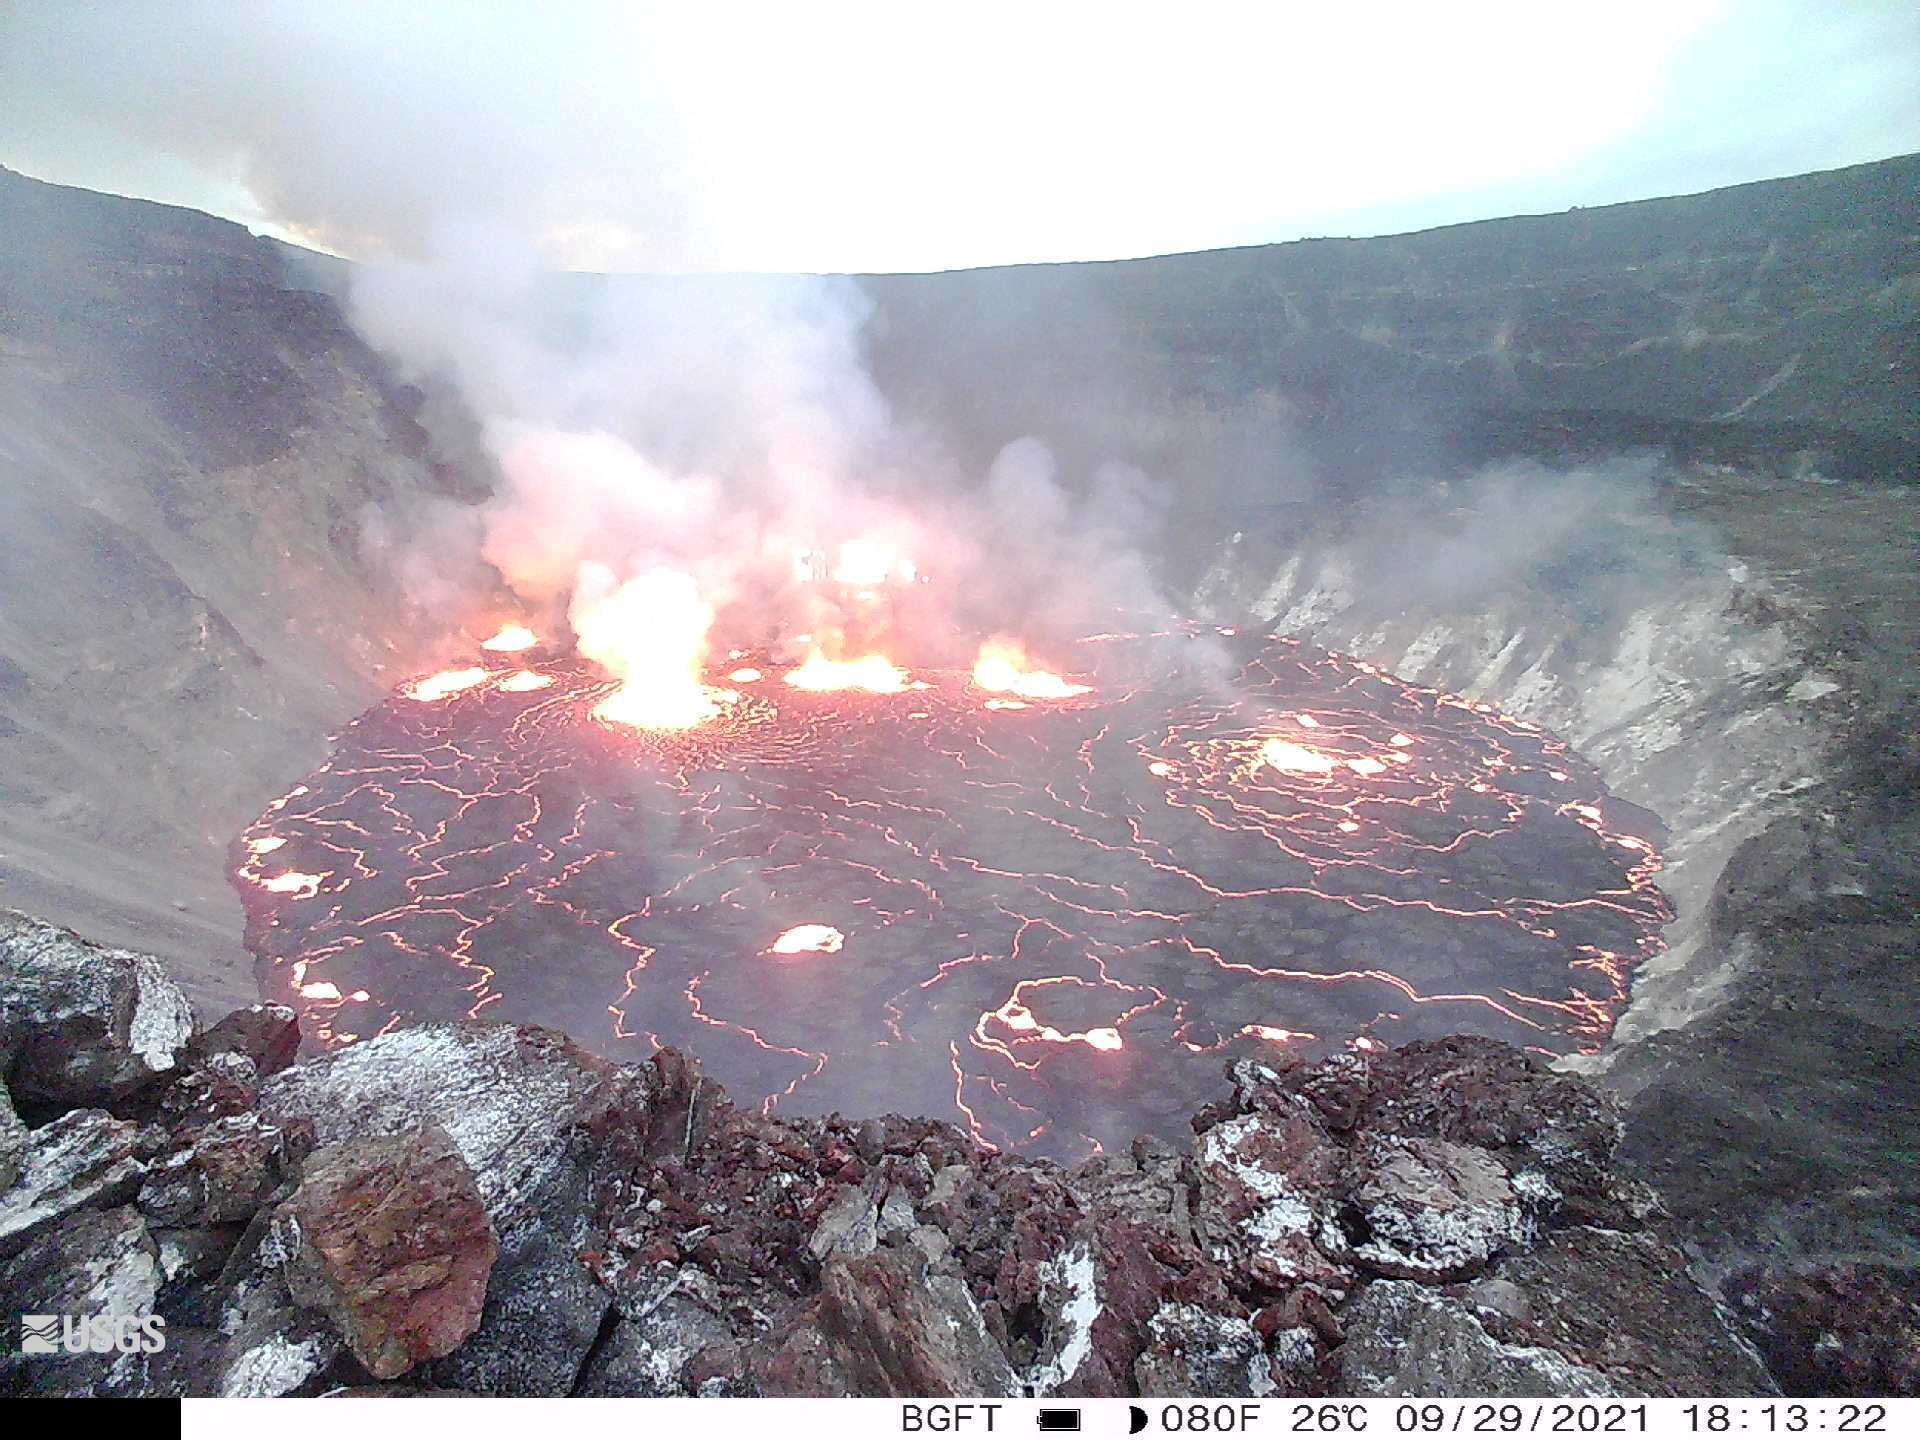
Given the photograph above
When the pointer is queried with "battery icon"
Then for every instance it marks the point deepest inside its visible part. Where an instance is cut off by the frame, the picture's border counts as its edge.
(1058, 1422)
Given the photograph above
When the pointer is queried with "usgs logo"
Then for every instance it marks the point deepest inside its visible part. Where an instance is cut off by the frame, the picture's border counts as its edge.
(92, 1334)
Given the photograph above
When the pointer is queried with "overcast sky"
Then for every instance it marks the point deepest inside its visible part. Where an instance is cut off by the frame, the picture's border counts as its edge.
(912, 137)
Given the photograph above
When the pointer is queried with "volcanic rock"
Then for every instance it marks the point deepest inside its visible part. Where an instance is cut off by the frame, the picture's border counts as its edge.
(224, 1175)
(1404, 1339)
(544, 1307)
(394, 1246)
(1623, 1304)
(1268, 1193)
(14, 1141)
(1432, 1209)
(85, 1158)
(101, 1262)
(269, 1344)
(507, 1097)
(493, 1211)
(1851, 1329)
(650, 1353)
(267, 1035)
(1194, 1351)
(885, 1324)
(848, 1229)
(81, 1024)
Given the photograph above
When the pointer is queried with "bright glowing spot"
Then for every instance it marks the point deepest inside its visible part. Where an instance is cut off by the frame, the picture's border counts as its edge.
(447, 682)
(1558, 774)
(867, 563)
(651, 632)
(522, 681)
(1285, 755)
(1365, 1042)
(1366, 765)
(1274, 1033)
(874, 673)
(1003, 667)
(1400, 740)
(746, 675)
(265, 844)
(321, 990)
(1348, 827)
(1104, 1038)
(820, 939)
(1160, 768)
(1308, 721)
(1008, 705)
(296, 883)
(510, 637)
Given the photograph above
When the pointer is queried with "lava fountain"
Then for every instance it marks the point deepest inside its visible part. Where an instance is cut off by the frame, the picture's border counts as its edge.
(1046, 902)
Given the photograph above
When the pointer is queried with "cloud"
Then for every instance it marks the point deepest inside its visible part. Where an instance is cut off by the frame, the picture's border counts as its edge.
(876, 136)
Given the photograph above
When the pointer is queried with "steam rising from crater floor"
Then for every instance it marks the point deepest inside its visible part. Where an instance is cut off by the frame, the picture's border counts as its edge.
(1048, 915)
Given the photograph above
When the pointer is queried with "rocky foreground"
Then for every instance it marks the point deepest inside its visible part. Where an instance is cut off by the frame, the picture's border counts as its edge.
(489, 1209)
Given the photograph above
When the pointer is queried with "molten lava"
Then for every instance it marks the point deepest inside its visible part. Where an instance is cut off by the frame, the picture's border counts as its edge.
(804, 939)
(510, 638)
(873, 673)
(651, 632)
(447, 682)
(1003, 668)
(1297, 759)
(1052, 921)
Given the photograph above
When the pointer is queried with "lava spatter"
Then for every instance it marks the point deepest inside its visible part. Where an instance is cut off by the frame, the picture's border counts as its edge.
(1051, 922)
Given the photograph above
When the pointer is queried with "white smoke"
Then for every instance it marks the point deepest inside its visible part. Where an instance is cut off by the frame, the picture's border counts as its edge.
(728, 431)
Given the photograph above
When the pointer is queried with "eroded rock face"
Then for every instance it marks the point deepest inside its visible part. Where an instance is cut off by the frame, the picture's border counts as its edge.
(393, 1245)
(488, 1209)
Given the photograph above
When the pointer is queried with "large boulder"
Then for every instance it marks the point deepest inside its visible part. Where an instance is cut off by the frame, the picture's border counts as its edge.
(530, 1113)
(394, 1245)
(508, 1097)
(82, 1024)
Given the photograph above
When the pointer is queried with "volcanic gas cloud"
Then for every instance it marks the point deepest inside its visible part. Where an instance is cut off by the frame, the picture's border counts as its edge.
(1046, 895)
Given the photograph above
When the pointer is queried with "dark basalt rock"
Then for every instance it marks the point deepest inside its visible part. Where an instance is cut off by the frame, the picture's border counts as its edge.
(84, 1159)
(99, 1262)
(267, 1035)
(491, 1210)
(81, 1024)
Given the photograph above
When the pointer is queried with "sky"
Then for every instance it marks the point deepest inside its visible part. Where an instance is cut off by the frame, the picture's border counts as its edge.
(900, 137)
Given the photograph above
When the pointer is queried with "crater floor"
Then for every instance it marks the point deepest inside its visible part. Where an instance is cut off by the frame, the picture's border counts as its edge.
(1048, 919)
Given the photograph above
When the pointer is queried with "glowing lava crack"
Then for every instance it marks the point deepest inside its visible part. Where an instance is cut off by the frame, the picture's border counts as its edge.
(1046, 906)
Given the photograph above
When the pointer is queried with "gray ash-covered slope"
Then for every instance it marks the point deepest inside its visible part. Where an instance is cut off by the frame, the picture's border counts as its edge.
(488, 1209)
(1770, 323)
(187, 448)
